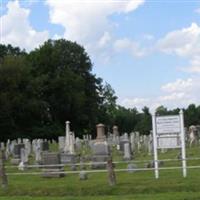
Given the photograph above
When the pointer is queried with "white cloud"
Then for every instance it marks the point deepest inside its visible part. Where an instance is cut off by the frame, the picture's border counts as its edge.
(194, 65)
(178, 85)
(104, 39)
(139, 103)
(16, 29)
(179, 93)
(130, 46)
(184, 43)
(197, 10)
(87, 22)
(148, 37)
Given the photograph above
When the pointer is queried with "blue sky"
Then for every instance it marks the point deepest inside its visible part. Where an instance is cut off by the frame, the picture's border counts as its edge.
(149, 51)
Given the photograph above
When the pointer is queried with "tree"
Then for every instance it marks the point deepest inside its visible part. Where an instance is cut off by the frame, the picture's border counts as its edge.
(19, 107)
(191, 115)
(144, 124)
(68, 86)
(161, 110)
(9, 50)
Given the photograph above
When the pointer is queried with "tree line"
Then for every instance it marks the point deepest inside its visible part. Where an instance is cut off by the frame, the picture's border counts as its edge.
(41, 89)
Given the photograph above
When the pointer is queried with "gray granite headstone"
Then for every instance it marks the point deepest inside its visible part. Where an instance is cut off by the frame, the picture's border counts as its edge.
(83, 175)
(131, 167)
(101, 151)
(17, 153)
(44, 146)
(127, 151)
(51, 162)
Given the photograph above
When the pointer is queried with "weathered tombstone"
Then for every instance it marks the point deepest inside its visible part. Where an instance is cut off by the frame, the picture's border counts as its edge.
(131, 167)
(83, 175)
(69, 156)
(38, 157)
(73, 167)
(101, 151)
(19, 141)
(124, 139)
(2, 146)
(16, 153)
(150, 144)
(115, 130)
(127, 151)
(78, 144)
(51, 162)
(24, 156)
(61, 143)
(8, 150)
(27, 144)
(44, 146)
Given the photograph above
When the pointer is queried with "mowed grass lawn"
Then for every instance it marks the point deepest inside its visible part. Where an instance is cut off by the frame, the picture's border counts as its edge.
(130, 186)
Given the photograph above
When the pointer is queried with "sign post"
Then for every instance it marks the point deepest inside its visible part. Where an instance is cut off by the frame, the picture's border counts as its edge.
(168, 132)
(183, 153)
(155, 152)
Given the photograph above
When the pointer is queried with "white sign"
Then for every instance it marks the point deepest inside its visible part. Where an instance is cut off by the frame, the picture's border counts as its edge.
(168, 132)
(169, 142)
(168, 124)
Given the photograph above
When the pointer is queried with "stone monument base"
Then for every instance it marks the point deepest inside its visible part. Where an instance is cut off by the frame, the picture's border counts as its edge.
(51, 168)
(97, 161)
(53, 173)
(66, 158)
(15, 161)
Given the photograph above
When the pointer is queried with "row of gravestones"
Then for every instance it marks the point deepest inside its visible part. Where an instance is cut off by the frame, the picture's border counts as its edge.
(20, 150)
(101, 148)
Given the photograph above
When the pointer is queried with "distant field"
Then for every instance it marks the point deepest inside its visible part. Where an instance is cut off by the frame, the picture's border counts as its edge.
(130, 186)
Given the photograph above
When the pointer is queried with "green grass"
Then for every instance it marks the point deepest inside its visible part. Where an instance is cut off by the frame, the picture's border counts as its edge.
(130, 186)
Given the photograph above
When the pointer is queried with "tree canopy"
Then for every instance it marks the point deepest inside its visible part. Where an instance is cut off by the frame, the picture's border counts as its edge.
(42, 89)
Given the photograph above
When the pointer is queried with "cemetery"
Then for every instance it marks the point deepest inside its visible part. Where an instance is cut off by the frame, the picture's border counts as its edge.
(101, 168)
(99, 100)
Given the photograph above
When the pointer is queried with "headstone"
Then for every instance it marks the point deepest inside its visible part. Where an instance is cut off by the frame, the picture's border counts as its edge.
(131, 167)
(78, 144)
(101, 151)
(44, 146)
(24, 156)
(2, 146)
(124, 139)
(100, 132)
(127, 151)
(61, 143)
(16, 153)
(38, 157)
(115, 130)
(67, 137)
(69, 156)
(27, 144)
(150, 144)
(19, 141)
(83, 175)
(55, 170)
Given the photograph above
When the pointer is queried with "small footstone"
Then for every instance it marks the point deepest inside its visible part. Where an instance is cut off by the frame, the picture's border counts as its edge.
(131, 168)
(83, 175)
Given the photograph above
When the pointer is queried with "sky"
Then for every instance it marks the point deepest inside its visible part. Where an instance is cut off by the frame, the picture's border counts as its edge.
(147, 50)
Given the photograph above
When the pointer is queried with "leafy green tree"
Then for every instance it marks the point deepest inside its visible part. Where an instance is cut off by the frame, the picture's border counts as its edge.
(161, 110)
(18, 106)
(144, 124)
(191, 115)
(68, 86)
